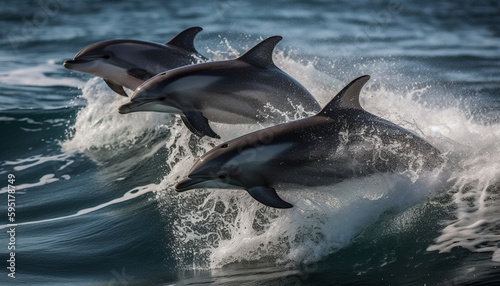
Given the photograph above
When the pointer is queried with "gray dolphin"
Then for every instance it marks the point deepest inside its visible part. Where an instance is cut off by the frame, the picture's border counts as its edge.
(128, 63)
(342, 141)
(240, 91)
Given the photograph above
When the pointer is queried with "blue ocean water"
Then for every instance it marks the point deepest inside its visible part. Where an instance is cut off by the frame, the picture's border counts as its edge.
(94, 197)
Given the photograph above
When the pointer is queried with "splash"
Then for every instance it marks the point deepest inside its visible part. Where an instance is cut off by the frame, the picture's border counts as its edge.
(99, 126)
(476, 191)
(472, 147)
(213, 228)
(219, 227)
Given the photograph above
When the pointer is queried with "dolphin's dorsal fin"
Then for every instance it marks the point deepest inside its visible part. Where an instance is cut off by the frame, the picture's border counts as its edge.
(348, 97)
(261, 55)
(185, 39)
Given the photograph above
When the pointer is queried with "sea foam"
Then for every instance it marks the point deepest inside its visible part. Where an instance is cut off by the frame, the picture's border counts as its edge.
(213, 228)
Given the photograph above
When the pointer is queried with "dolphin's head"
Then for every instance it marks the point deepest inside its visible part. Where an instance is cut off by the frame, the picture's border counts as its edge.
(221, 167)
(93, 58)
(114, 60)
(173, 91)
(243, 163)
(152, 95)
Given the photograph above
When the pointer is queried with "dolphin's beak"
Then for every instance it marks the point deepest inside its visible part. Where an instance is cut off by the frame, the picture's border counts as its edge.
(76, 64)
(69, 64)
(188, 184)
(79, 59)
(203, 183)
(129, 107)
(124, 109)
(146, 105)
(75, 61)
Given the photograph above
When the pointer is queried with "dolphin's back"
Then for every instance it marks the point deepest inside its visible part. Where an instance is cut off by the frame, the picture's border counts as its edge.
(358, 144)
(343, 141)
(235, 92)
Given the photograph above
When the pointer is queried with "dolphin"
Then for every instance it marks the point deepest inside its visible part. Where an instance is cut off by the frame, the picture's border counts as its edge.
(342, 141)
(245, 90)
(128, 63)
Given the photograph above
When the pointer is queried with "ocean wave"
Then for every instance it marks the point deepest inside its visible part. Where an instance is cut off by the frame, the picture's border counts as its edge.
(211, 229)
(39, 76)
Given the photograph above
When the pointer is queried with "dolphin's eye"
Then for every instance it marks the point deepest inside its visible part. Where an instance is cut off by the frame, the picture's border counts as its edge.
(222, 175)
(106, 56)
(224, 145)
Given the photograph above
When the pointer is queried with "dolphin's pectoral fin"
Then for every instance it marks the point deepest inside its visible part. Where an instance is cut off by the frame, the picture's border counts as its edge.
(116, 87)
(198, 124)
(140, 73)
(269, 197)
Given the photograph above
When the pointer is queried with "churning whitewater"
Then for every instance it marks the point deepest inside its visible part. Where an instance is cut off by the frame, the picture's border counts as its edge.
(216, 228)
